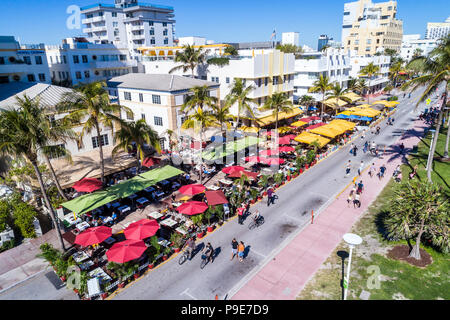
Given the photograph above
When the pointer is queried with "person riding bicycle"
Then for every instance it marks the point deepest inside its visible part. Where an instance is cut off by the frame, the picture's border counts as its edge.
(256, 215)
(209, 251)
(190, 244)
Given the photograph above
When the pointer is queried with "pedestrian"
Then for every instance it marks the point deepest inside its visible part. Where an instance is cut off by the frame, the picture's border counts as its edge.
(360, 187)
(378, 130)
(356, 202)
(396, 171)
(372, 170)
(348, 167)
(382, 171)
(240, 212)
(234, 248)
(269, 196)
(355, 148)
(350, 198)
(241, 249)
(361, 168)
(351, 148)
(366, 147)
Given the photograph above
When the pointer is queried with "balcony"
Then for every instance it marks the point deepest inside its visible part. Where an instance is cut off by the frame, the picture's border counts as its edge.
(92, 20)
(137, 36)
(137, 28)
(114, 64)
(99, 29)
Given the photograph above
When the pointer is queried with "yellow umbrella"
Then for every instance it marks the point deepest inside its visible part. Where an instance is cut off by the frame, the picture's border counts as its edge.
(392, 104)
(283, 130)
(249, 129)
(308, 138)
(384, 102)
(299, 124)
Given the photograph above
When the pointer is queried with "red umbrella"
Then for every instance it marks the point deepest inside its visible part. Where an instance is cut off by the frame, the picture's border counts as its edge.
(249, 174)
(254, 159)
(150, 162)
(273, 161)
(141, 229)
(192, 208)
(286, 149)
(215, 197)
(317, 125)
(269, 133)
(269, 152)
(192, 189)
(285, 140)
(232, 169)
(93, 236)
(126, 251)
(88, 185)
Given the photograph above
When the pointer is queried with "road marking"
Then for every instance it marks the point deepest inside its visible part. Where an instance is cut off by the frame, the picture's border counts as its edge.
(188, 294)
(259, 254)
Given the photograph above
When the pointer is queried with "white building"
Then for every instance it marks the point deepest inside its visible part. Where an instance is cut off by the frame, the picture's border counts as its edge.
(377, 83)
(129, 23)
(77, 61)
(268, 71)
(157, 98)
(292, 38)
(437, 30)
(27, 63)
(192, 41)
(333, 63)
(412, 42)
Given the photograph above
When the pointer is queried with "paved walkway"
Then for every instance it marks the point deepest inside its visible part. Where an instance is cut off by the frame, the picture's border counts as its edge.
(288, 272)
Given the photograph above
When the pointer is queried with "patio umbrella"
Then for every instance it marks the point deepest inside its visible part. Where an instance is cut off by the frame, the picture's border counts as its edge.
(150, 162)
(215, 197)
(285, 140)
(251, 175)
(365, 119)
(286, 149)
(254, 159)
(93, 235)
(342, 116)
(232, 169)
(269, 152)
(141, 229)
(192, 208)
(88, 185)
(127, 250)
(192, 189)
(273, 161)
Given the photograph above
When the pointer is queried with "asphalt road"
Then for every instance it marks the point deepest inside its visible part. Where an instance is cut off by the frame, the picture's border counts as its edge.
(283, 220)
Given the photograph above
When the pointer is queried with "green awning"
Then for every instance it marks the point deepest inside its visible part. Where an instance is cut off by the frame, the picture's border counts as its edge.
(230, 148)
(124, 189)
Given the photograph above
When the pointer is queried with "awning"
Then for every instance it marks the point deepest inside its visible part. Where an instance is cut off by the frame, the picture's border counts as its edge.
(308, 138)
(317, 125)
(334, 103)
(230, 148)
(97, 199)
(368, 112)
(344, 125)
(328, 131)
(249, 129)
(299, 124)
(392, 104)
(353, 96)
(384, 102)
(264, 121)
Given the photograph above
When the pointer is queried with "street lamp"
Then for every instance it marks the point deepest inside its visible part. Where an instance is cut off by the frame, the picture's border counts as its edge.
(352, 240)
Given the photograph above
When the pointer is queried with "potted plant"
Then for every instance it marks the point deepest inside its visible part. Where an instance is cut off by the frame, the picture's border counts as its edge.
(167, 252)
(197, 220)
(219, 213)
(207, 215)
(254, 195)
(156, 249)
(176, 240)
(118, 270)
(279, 178)
(263, 183)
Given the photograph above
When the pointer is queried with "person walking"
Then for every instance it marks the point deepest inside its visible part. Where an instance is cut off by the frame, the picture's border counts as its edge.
(356, 202)
(382, 171)
(348, 168)
(378, 130)
(241, 249)
(269, 196)
(350, 198)
(360, 188)
(190, 244)
(361, 168)
(234, 248)
(372, 170)
(240, 212)
(355, 149)
(366, 147)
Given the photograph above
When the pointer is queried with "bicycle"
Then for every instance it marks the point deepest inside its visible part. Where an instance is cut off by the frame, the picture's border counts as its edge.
(205, 260)
(185, 256)
(254, 224)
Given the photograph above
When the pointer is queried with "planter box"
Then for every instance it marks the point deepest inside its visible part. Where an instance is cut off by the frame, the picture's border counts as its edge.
(288, 178)
(253, 201)
(210, 229)
(264, 194)
(121, 285)
(164, 257)
(151, 266)
(306, 166)
(176, 250)
(200, 235)
(104, 296)
(136, 275)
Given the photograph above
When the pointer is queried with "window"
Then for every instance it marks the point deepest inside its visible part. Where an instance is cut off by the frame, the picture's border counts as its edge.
(227, 80)
(116, 33)
(115, 24)
(114, 15)
(347, 13)
(150, 23)
(166, 41)
(38, 59)
(41, 77)
(86, 74)
(59, 75)
(100, 14)
(123, 57)
(156, 99)
(103, 140)
(27, 60)
(130, 115)
(152, 41)
(31, 78)
(165, 32)
(266, 81)
(349, 42)
(141, 97)
(152, 32)
(84, 58)
(76, 59)
(164, 24)
(78, 75)
(57, 151)
(275, 80)
(65, 59)
(127, 95)
(143, 116)
(369, 41)
(259, 82)
(158, 121)
(217, 79)
(2, 60)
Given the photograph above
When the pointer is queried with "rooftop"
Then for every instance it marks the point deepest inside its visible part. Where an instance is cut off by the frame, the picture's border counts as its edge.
(157, 82)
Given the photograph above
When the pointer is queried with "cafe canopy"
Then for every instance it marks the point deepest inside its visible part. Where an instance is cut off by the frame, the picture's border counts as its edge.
(308, 138)
(299, 124)
(384, 102)
(89, 202)
(334, 103)
(229, 148)
(353, 97)
(345, 125)
(368, 112)
(328, 131)
(392, 104)
(266, 120)
(249, 129)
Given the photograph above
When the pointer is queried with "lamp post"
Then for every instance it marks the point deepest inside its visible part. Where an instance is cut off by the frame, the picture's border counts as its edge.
(352, 240)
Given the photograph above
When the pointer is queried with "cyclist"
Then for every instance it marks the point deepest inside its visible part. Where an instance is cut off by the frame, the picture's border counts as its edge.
(256, 215)
(209, 252)
(190, 244)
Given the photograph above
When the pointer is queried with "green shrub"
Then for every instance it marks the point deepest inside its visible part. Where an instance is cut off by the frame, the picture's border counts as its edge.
(24, 215)
(7, 245)
(49, 253)
(5, 215)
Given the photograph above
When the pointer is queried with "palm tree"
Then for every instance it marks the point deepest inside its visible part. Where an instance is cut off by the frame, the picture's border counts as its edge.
(204, 120)
(22, 135)
(370, 71)
(352, 84)
(394, 72)
(138, 132)
(189, 58)
(90, 103)
(435, 69)
(338, 93)
(239, 94)
(172, 141)
(200, 97)
(321, 85)
(362, 87)
(222, 116)
(278, 102)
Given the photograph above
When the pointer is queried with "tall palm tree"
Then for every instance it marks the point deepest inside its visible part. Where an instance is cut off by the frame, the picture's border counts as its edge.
(394, 72)
(189, 58)
(277, 103)
(239, 94)
(22, 135)
(371, 70)
(352, 84)
(306, 100)
(362, 87)
(200, 97)
(338, 93)
(435, 69)
(172, 138)
(138, 132)
(322, 85)
(221, 114)
(200, 119)
(90, 103)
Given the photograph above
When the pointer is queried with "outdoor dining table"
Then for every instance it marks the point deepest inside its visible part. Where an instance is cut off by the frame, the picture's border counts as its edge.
(97, 212)
(226, 182)
(150, 189)
(133, 196)
(107, 219)
(163, 242)
(110, 240)
(159, 194)
(169, 222)
(82, 226)
(80, 256)
(176, 204)
(115, 204)
(155, 215)
(142, 201)
(124, 209)
(213, 188)
(181, 230)
(70, 219)
(86, 265)
(176, 185)
(98, 272)
(164, 182)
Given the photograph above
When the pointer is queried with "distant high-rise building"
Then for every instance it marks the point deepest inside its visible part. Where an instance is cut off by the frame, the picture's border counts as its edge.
(323, 41)
(371, 27)
(129, 23)
(437, 30)
(290, 38)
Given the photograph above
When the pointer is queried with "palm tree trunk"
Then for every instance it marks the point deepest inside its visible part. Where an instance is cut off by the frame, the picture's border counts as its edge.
(321, 110)
(368, 93)
(436, 136)
(102, 161)
(276, 121)
(415, 252)
(47, 202)
(448, 138)
(55, 178)
(201, 158)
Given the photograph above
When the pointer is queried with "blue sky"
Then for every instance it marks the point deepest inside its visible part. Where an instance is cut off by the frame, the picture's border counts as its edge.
(37, 21)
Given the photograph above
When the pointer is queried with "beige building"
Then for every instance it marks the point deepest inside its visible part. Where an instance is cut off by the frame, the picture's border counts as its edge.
(371, 27)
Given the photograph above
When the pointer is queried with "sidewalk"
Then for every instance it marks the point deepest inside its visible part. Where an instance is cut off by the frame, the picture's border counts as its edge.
(286, 274)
